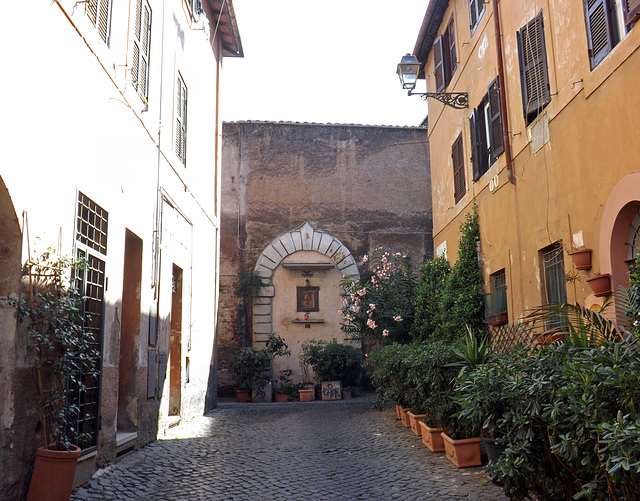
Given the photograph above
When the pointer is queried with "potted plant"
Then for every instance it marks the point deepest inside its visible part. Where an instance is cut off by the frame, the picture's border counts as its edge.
(248, 367)
(286, 390)
(335, 365)
(62, 356)
(252, 369)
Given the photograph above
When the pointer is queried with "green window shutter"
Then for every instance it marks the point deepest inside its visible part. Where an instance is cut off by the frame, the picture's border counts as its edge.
(181, 120)
(631, 9)
(495, 119)
(599, 32)
(141, 49)
(99, 13)
(534, 71)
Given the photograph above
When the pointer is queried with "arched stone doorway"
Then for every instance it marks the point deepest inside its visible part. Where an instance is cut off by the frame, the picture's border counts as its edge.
(303, 269)
(618, 231)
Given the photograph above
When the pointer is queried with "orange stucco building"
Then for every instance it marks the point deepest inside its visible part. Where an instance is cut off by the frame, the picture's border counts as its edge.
(545, 148)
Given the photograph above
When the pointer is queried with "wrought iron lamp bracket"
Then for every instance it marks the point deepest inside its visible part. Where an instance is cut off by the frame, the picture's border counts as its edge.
(457, 100)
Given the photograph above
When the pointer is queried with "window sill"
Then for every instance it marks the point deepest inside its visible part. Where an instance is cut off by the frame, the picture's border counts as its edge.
(616, 58)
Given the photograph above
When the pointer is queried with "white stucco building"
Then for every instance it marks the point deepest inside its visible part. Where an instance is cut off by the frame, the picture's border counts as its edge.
(110, 144)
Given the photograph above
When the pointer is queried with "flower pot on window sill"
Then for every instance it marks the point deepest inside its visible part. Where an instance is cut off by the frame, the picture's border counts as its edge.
(581, 259)
(600, 284)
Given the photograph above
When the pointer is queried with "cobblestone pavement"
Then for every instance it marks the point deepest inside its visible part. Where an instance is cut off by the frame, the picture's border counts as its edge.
(342, 450)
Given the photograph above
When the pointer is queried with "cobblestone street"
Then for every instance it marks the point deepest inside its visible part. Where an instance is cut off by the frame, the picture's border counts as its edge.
(342, 450)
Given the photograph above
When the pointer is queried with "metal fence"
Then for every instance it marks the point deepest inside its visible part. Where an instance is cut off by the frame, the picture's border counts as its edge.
(507, 336)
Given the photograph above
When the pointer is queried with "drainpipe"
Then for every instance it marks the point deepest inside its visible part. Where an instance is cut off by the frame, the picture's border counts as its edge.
(503, 98)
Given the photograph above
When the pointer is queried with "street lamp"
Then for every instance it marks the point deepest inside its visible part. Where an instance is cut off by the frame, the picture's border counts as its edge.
(408, 69)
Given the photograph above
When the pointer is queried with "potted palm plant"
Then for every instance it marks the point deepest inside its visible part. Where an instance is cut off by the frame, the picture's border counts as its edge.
(63, 357)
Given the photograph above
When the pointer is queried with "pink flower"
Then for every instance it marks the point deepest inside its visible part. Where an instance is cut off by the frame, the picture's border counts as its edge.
(385, 332)
(371, 324)
(355, 308)
(398, 318)
(365, 258)
(372, 307)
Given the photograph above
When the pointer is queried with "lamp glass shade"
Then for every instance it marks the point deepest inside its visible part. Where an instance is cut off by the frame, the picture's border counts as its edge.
(408, 69)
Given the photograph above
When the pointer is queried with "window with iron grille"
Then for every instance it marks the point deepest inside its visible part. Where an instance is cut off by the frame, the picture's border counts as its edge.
(91, 224)
(554, 280)
(485, 125)
(99, 13)
(444, 56)
(91, 248)
(141, 49)
(181, 120)
(457, 155)
(534, 70)
(476, 10)
(496, 301)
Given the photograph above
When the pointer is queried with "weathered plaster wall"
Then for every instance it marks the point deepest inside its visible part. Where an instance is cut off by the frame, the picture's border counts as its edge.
(365, 186)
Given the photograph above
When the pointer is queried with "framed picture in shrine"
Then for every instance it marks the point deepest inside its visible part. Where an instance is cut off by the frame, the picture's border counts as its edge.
(307, 298)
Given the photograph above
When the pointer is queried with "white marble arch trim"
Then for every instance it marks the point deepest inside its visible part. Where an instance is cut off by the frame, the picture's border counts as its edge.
(305, 237)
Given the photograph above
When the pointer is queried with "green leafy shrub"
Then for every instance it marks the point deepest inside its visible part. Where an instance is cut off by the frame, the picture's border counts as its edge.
(61, 351)
(429, 314)
(380, 309)
(462, 302)
(569, 422)
(332, 361)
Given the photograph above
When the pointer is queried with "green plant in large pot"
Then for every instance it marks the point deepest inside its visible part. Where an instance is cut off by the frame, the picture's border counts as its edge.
(63, 359)
(248, 367)
(332, 361)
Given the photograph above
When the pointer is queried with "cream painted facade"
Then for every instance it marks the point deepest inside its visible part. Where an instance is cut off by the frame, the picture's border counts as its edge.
(572, 176)
(114, 120)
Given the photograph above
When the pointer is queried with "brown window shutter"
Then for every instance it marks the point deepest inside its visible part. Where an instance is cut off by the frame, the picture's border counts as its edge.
(495, 119)
(533, 67)
(598, 30)
(631, 10)
(438, 62)
(457, 154)
(451, 48)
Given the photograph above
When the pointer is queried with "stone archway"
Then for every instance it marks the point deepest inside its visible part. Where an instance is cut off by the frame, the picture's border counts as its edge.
(304, 238)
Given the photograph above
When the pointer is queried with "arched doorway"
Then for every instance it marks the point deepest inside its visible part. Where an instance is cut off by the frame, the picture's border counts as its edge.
(303, 269)
(619, 229)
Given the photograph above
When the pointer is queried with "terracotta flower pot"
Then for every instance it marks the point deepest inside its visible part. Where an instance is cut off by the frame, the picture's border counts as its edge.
(282, 397)
(405, 418)
(53, 473)
(414, 420)
(399, 411)
(600, 284)
(432, 437)
(242, 395)
(463, 453)
(581, 259)
(305, 395)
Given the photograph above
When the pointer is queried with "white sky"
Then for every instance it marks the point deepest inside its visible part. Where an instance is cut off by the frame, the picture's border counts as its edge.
(323, 61)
